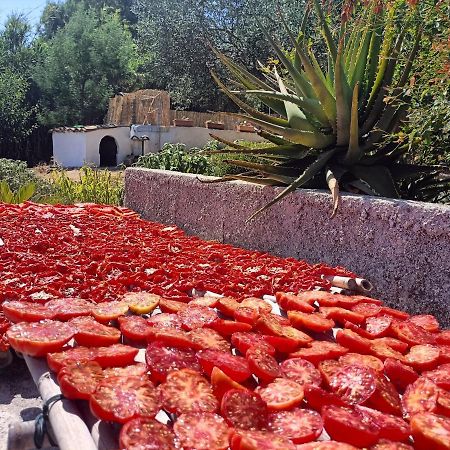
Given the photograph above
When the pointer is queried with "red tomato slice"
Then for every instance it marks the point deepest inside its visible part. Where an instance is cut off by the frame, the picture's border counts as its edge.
(204, 338)
(171, 306)
(440, 376)
(297, 425)
(341, 315)
(116, 355)
(282, 344)
(316, 398)
(228, 327)
(395, 344)
(354, 384)
(119, 399)
(430, 431)
(378, 327)
(202, 431)
(141, 302)
(244, 410)
(39, 338)
(135, 370)
(56, 361)
(256, 303)
(385, 398)
(90, 333)
(423, 357)
(146, 434)
(162, 359)
(391, 427)
(246, 315)
(367, 309)
(319, 351)
(426, 321)
(445, 354)
(326, 445)
(263, 365)
(260, 440)
(165, 320)
(291, 302)
(383, 351)
(107, 311)
(281, 394)
(227, 306)
(174, 338)
(420, 396)
(78, 380)
(411, 334)
(244, 341)
(196, 317)
(352, 359)
(222, 383)
(301, 371)
(321, 297)
(235, 367)
(27, 312)
(400, 374)
(395, 313)
(385, 444)
(442, 338)
(314, 322)
(328, 368)
(210, 302)
(353, 341)
(349, 426)
(68, 308)
(135, 328)
(186, 391)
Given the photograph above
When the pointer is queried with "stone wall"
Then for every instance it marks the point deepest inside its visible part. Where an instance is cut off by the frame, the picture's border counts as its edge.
(402, 247)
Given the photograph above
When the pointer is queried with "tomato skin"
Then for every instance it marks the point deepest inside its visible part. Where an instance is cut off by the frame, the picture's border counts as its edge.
(317, 397)
(349, 426)
(244, 341)
(236, 367)
(443, 337)
(400, 374)
(263, 365)
(16, 312)
(353, 341)
(116, 355)
(78, 380)
(222, 383)
(420, 396)
(430, 431)
(319, 351)
(281, 394)
(291, 302)
(313, 322)
(228, 327)
(135, 328)
(93, 334)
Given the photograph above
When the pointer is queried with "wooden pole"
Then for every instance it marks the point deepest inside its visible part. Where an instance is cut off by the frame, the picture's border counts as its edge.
(69, 428)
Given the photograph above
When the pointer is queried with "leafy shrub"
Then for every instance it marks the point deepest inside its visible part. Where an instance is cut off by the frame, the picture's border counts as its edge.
(95, 185)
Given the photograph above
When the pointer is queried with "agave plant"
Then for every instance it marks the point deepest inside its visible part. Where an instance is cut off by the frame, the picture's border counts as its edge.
(330, 119)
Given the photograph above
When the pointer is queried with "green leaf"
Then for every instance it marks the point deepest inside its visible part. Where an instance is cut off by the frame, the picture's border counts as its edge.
(288, 151)
(307, 175)
(378, 178)
(354, 152)
(25, 192)
(271, 137)
(326, 30)
(411, 58)
(343, 101)
(6, 195)
(361, 61)
(226, 142)
(289, 173)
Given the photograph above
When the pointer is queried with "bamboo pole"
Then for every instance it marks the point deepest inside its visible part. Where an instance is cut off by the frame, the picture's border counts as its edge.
(68, 426)
(341, 282)
(363, 285)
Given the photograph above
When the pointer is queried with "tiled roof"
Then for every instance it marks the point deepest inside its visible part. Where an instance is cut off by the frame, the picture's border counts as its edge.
(81, 128)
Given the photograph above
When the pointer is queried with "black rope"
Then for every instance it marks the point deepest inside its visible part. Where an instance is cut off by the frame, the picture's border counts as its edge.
(42, 420)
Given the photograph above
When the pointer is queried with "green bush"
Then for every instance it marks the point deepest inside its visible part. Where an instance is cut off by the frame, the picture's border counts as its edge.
(16, 175)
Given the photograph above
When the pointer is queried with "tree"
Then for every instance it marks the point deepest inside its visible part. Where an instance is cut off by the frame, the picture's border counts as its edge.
(86, 62)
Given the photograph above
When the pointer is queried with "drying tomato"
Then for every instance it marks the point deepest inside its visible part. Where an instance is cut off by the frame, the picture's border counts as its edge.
(346, 425)
(135, 370)
(120, 399)
(395, 344)
(322, 297)
(227, 306)
(116, 355)
(141, 433)
(282, 344)
(202, 431)
(171, 306)
(174, 338)
(353, 341)
(378, 327)
(260, 440)
(443, 337)
(297, 425)
(107, 311)
(165, 320)
(196, 317)
(411, 333)
(229, 327)
(430, 431)
(341, 315)
(426, 321)
(263, 365)
(328, 368)
(394, 313)
(91, 333)
(68, 308)
(385, 444)
(281, 394)
(135, 328)
(26, 312)
(420, 396)
(244, 410)
(56, 361)
(400, 374)
(314, 322)
(141, 302)
(385, 398)
(317, 397)
(423, 357)
(319, 351)
(362, 360)
(326, 445)
(235, 367)
(78, 380)
(383, 351)
(354, 384)
(301, 371)
(39, 338)
(244, 341)
(440, 376)
(186, 391)
(222, 383)
(366, 309)
(203, 338)
(291, 302)
(210, 302)
(246, 315)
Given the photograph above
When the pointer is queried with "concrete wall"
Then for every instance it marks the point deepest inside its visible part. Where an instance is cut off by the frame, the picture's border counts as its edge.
(93, 139)
(403, 247)
(69, 149)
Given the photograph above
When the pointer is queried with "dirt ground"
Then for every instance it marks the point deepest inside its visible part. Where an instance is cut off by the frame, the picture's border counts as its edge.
(44, 171)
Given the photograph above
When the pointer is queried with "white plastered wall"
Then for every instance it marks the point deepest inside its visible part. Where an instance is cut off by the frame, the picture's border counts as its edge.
(69, 149)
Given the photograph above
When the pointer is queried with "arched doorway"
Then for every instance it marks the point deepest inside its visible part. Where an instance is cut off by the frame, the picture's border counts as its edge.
(108, 152)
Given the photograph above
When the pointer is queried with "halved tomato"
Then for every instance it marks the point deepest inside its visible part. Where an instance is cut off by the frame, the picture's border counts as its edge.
(366, 309)
(440, 376)
(346, 425)
(395, 344)
(196, 317)
(317, 398)
(78, 380)
(135, 328)
(400, 374)
(16, 311)
(385, 444)
(319, 351)
(222, 383)
(210, 302)
(341, 315)
(260, 440)
(107, 311)
(228, 327)
(263, 365)
(171, 306)
(165, 320)
(56, 361)
(378, 327)
(256, 303)
(353, 341)
(39, 338)
(227, 306)
(235, 367)
(246, 315)
(426, 321)
(202, 431)
(116, 355)
(204, 338)
(141, 302)
(383, 351)
(430, 431)
(328, 368)
(146, 433)
(297, 425)
(327, 445)
(322, 297)
(244, 341)
(385, 398)
(281, 394)
(244, 410)
(282, 344)
(364, 360)
(443, 338)
(420, 396)
(314, 322)
(135, 370)
(68, 308)
(411, 333)
(119, 399)
(162, 359)
(301, 371)
(93, 334)
(174, 338)
(394, 313)
(291, 302)
(423, 357)
(186, 391)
